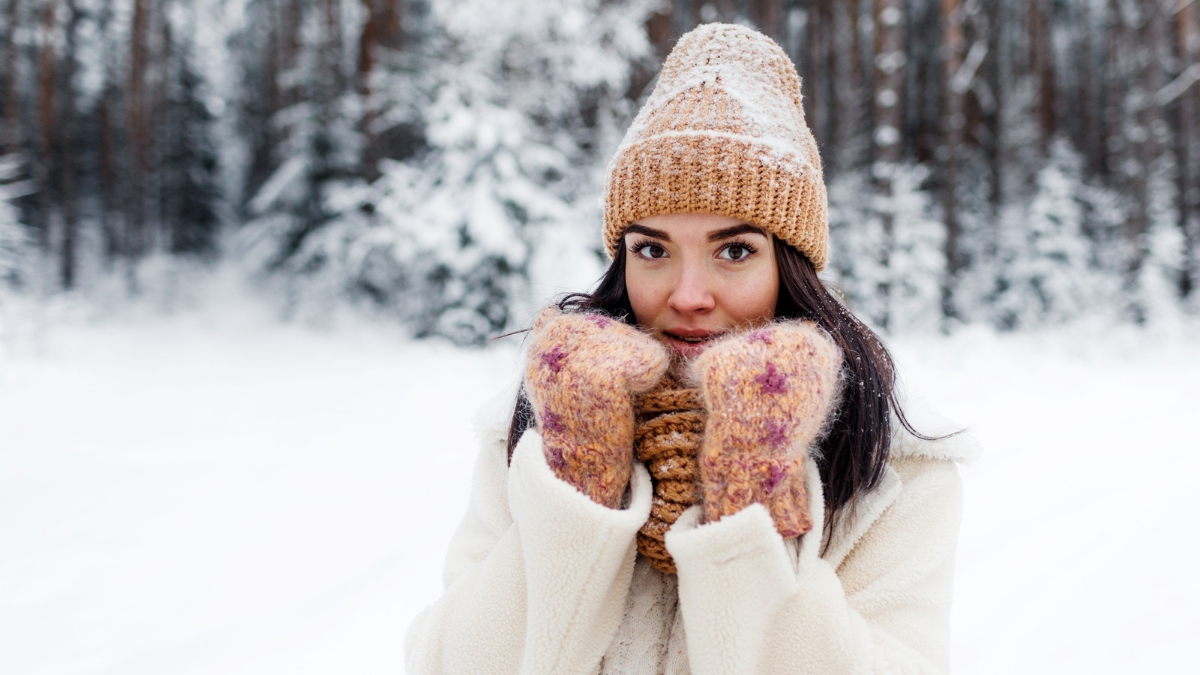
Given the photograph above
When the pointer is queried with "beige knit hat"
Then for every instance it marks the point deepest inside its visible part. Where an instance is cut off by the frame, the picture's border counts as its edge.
(723, 132)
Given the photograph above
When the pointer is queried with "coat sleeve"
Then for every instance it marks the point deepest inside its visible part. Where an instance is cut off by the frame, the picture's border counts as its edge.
(536, 574)
(750, 607)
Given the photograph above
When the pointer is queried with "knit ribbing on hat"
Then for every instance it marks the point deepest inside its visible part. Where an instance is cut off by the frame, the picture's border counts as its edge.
(723, 132)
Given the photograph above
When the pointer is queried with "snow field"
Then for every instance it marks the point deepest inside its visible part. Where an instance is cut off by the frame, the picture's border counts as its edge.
(1075, 553)
(200, 494)
(180, 499)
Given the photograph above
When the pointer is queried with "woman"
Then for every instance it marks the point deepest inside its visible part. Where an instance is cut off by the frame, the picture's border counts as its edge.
(707, 470)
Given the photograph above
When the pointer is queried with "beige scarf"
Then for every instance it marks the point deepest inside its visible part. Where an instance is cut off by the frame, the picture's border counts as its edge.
(669, 428)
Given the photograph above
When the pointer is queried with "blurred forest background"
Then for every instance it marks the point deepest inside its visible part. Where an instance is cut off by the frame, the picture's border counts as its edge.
(1012, 162)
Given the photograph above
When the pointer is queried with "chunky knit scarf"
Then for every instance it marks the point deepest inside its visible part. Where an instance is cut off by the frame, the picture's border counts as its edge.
(670, 426)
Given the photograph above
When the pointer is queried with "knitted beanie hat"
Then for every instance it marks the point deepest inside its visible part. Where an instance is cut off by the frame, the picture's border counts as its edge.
(723, 132)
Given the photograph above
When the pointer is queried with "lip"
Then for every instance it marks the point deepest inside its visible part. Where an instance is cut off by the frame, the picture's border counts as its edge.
(689, 342)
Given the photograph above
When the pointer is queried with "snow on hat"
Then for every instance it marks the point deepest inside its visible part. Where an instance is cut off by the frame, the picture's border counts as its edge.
(723, 132)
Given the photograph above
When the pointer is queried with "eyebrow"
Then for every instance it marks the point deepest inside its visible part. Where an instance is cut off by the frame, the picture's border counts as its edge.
(744, 228)
(648, 231)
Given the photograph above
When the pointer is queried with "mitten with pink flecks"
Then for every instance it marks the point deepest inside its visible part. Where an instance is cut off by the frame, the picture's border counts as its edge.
(768, 393)
(581, 375)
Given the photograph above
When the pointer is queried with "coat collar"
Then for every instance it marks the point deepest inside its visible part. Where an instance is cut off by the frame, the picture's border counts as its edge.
(855, 524)
(955, 444)
(493, 418)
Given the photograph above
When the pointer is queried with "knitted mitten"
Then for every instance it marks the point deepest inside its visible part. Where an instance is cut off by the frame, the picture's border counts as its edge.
(581, 375)
(768, 393)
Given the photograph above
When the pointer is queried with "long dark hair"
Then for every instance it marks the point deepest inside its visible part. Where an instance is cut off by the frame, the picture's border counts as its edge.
(854, 452)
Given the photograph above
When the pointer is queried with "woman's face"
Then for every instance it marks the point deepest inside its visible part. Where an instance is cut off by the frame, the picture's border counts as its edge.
(692, 277)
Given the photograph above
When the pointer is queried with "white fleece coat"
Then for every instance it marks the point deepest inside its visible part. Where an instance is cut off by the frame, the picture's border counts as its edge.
(540, 579)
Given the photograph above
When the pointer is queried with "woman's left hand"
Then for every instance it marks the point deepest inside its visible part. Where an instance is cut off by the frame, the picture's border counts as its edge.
(768, 393)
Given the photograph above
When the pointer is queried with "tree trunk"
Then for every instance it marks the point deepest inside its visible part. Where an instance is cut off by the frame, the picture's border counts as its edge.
(889, 118)
(851, 148)
(818, 75)
(660, 29)
(1090, 107)
(1140, 71)
(925, 105)
(368, 42)
(1041, 60)
(954, 120)
(10, 133)
(69, 142)
(332, 49)
(1114, 146)
(382, 29)
(993, 80)
(163, 118)
(684, 12)
(1187, 22)
(137, 108)
(767, 15)
(47, 166)
(114, 243)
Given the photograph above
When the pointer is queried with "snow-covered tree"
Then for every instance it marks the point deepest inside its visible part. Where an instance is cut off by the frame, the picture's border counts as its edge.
(311, 147)
(527, 108)
(441, 159)
(518, 112)
(191, 181)
(1045, 272)
(12, 234)
(1155, 292)
(893, 281)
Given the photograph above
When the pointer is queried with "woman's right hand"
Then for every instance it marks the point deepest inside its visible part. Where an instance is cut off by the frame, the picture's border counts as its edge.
(581, 374)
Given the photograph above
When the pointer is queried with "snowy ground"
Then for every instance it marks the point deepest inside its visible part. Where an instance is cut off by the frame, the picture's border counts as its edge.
(211, 492)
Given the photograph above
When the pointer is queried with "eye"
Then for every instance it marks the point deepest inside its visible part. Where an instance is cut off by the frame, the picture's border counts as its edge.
(736, 251)
(648, 250)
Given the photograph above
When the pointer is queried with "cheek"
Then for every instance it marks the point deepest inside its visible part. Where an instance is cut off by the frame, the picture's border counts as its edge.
(752, 298)
(646, 297)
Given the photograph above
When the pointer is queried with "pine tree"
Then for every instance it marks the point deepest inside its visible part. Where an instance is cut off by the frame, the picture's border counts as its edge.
(298, 217)
(527, 112)
(13, 241)
(440, 159)
(517, 113)
(914, 243)
(191, 188)
(1048, 276)
(524, 112)
(1156, 290)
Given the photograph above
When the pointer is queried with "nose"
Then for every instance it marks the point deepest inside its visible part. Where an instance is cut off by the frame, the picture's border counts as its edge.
(693, 293)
